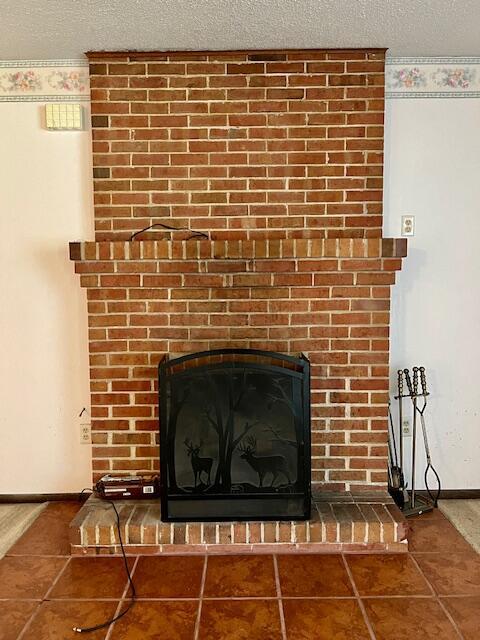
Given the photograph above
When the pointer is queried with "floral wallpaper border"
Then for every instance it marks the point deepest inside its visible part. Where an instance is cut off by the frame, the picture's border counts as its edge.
(44, 81)
(67, 80)
(432, 77)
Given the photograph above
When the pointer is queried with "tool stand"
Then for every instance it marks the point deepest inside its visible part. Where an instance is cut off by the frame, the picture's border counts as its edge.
(416, 504)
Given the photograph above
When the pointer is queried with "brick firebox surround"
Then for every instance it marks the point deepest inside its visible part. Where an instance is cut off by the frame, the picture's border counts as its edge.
(277, 158)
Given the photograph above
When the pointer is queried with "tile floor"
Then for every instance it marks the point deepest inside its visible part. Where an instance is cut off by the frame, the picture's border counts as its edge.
(433, 592)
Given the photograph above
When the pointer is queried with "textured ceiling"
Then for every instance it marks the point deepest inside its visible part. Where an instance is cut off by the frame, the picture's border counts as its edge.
(52, 29)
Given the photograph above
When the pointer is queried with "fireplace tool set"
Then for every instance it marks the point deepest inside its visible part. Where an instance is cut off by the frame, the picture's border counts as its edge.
(409, 501)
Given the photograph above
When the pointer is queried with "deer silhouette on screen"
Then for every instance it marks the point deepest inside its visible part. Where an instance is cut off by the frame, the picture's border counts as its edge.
(263, 465)
(199, 465)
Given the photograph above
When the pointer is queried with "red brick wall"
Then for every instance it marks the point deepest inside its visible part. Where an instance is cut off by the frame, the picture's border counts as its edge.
(278, 158)
(326, 298)
(243, 145)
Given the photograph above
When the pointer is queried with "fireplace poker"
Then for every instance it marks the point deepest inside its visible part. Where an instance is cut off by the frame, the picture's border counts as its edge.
(400, 413)
(400, 397)
(412, 390)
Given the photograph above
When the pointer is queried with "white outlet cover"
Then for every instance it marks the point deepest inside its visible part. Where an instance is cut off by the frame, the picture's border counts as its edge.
(408, 225)
(406, 428)
(85, 433)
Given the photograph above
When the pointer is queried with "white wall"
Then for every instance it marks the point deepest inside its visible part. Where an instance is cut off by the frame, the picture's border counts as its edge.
(45, 201)
(433, 172)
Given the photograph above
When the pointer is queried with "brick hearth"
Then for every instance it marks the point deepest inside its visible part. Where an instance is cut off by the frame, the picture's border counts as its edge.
(339, 522)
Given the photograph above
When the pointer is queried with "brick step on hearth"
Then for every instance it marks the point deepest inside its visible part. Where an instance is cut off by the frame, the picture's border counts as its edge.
(339, 522)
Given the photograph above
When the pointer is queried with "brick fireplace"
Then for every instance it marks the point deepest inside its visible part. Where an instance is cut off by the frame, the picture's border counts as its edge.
(276, 158)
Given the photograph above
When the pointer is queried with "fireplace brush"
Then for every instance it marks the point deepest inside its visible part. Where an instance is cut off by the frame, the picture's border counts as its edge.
(396, 483)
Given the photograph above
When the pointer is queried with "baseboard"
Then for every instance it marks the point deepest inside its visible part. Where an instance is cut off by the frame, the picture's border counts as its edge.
(447, 494)
(456, 494)
(41, 497)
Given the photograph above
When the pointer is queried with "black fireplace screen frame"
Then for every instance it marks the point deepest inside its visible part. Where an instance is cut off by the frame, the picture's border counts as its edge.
(288, 497)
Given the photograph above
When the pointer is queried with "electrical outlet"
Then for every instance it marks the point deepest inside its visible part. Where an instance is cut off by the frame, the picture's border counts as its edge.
(85, 433)
(406, 431)
(408, 225)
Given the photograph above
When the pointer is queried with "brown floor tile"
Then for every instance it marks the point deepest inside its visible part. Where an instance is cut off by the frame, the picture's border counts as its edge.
(92, 578)
(387, 575)
(313, 575)
(157, 620)
(48, 535)
(240, 620)
(436, 535)
(169, 576)
(240, 576)
(452, 574)
(25, 577)
(324, 620)
(55, 620)
(408, 618)
(466, 613)
(13, 616)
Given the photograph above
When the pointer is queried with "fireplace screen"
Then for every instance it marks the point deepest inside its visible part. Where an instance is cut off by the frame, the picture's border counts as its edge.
(235, 436)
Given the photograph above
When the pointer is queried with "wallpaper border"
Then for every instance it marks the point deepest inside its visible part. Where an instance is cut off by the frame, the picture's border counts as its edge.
(44, 81)
(405, 77)
(434, 77)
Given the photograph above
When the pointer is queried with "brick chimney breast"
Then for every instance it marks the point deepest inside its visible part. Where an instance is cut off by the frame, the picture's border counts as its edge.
(276, 159)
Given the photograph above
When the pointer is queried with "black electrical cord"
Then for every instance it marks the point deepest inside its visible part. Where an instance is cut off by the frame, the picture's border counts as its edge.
(195, 234)
(127, 570)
